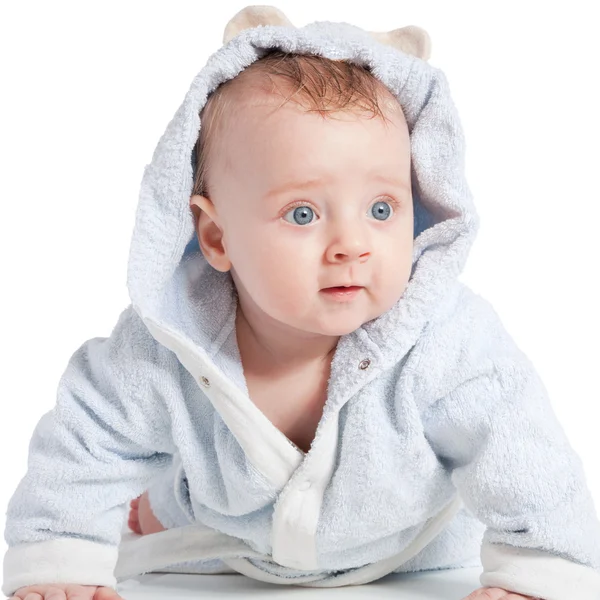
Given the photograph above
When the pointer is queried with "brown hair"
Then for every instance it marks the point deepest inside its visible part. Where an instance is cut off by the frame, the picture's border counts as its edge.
(319, 84)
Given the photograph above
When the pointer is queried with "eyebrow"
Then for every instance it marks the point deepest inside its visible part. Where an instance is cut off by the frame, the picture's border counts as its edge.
(311, 183)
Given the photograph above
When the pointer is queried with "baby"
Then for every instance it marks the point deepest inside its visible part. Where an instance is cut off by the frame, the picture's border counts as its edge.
(301, 390)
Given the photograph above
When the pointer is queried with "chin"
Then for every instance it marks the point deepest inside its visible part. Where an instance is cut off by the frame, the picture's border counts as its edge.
(341, 326)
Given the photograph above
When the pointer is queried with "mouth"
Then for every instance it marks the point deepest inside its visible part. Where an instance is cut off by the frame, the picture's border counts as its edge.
(342, 292)
(342, 288)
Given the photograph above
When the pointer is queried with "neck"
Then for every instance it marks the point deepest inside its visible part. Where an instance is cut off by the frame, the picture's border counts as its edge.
(266, 347)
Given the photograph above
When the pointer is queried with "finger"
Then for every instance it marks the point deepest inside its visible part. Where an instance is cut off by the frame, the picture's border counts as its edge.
(487, 594)
(56, 594)
(38, 592)
(106, 593)
(29, 592)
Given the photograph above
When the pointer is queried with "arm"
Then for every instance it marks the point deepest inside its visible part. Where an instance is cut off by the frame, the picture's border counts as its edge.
(99, 447)
(516, 472)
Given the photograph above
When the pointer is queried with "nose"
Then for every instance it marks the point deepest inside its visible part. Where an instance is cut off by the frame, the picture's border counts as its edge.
(349, 244)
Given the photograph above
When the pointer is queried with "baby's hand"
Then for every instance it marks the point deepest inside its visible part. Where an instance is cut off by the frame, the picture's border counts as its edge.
(65, 591)
(497, 594)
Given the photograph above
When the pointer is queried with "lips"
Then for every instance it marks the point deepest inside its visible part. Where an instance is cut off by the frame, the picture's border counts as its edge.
(343, 287)
(341, 293)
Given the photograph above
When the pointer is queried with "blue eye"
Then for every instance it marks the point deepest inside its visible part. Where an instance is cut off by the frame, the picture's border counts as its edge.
(381, 210)
(302, 215)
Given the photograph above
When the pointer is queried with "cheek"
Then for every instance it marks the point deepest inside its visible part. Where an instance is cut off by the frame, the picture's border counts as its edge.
(396, 262)
(276, 272)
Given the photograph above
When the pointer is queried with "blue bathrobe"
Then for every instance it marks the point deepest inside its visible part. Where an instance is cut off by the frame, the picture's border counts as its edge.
(437, 448)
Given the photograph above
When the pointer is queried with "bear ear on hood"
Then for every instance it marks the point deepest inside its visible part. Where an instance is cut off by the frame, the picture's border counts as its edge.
(410, 39)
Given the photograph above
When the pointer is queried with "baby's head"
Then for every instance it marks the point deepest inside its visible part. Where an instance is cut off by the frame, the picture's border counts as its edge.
(303, 183)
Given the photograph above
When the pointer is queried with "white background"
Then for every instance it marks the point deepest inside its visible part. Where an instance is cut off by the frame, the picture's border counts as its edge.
(88, 88)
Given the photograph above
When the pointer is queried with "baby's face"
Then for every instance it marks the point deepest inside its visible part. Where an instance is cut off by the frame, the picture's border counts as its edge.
(306, 203)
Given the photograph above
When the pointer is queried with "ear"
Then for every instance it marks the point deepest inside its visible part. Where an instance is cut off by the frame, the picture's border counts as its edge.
(253, 16)
(410, 39)
(209, 232)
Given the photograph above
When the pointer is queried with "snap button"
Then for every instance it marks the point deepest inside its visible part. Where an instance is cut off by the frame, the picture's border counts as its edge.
(364, 364)
(305, 485)
(204, 381)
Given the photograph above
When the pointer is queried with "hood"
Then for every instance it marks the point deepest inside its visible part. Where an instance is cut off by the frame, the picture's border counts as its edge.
(174, 289)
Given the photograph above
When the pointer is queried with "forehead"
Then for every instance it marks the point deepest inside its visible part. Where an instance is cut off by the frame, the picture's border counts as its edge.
(244, 137)
(271, 140)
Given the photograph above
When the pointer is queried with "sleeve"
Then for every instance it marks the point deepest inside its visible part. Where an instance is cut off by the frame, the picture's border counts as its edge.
(101, 445)
(510, 460)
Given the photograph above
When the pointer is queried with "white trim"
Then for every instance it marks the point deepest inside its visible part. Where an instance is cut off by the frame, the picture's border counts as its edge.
(59, 560)
(150, 553)
(296, 513)
(266, 447)
(536, 573)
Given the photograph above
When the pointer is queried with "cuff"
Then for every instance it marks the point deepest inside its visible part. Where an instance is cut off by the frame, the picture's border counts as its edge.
(64, 560)
(537, 573)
